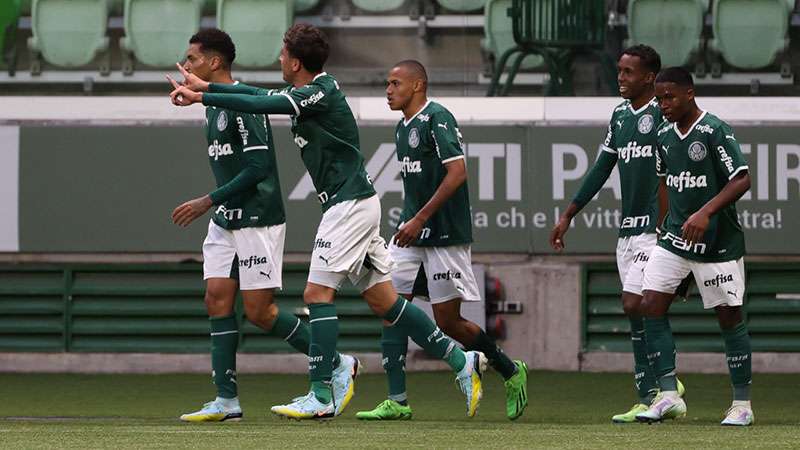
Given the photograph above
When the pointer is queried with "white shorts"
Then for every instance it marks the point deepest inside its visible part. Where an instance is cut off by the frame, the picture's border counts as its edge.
(255, 253)
(349, 245)
(632, 255)
(436, 273)
(719, 283)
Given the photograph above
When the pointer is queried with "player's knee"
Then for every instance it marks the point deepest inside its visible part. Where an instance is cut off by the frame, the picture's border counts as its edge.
(261, 314)
(632, 305)
(218, 303)
(728, 317)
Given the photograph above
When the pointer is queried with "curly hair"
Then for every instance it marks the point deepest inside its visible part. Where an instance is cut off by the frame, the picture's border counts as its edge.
(308, 44)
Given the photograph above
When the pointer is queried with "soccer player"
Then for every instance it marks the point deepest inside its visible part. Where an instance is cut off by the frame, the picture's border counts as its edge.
(630, 144)
(348, 244)
(432, 244)
(699, 161)
(244, 245)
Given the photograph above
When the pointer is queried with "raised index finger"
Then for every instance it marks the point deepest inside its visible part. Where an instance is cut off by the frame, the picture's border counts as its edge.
(175, 84)
(183, 71)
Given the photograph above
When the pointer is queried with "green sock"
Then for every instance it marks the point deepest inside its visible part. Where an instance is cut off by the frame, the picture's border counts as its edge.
(224, 341)
(420, 328)
(322, 349)
(394, 345)
(497, 359)
(661, 351)
(739, 356)
(646, 384)
(295, 332)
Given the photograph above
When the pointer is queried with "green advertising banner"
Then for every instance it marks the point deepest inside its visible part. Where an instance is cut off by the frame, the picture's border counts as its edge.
(112, 189)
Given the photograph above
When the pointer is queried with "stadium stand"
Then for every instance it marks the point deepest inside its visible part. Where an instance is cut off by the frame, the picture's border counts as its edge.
(462, 5)
(9, 16)
(305, 5)
(67, 33)
(257, 27)
(746, 43)
(672, 27)
(378, 5)
(499, 34)
(156, 31)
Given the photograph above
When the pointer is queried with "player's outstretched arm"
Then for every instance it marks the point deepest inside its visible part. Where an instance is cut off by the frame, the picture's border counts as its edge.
(456, 176)
(238, 88)
(695, 226)
(256, 104)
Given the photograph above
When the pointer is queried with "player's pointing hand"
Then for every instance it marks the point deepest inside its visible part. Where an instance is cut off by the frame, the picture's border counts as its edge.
(192, 81)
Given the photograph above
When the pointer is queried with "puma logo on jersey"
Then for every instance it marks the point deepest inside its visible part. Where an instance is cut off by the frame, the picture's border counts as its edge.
(313, 99)
(442, 125)
(408, 166)
(632, 150)
(215, 150)
(619, 124)
(685, 180)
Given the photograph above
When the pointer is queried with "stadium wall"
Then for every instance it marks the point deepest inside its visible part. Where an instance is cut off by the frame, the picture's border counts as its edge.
(93, 180)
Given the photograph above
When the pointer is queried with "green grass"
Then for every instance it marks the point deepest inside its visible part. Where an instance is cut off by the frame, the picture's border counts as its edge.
(567, 410)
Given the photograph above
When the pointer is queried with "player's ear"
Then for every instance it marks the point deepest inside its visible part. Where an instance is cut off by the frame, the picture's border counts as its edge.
(215, 63)
(650, 78)
(690, 93)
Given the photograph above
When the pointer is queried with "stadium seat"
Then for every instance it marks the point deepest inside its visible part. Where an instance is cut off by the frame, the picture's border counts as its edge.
(9, 16)
(672, 27)
(747, 43)
(305, 5)
(67, 33)
(157, 32)
(462, 5)
(499, 35)
(257, 28)
(378, 5)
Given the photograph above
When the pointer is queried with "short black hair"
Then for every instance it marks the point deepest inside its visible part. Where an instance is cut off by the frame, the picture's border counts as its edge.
(677, 75)
(415, 67)
(216, 40)
(648, 55)
(308, 44)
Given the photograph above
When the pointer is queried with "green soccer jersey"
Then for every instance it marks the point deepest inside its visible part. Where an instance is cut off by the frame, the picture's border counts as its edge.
(697, 165)
(425, 143)
(242, 158)
(326, 132)
(630, 144)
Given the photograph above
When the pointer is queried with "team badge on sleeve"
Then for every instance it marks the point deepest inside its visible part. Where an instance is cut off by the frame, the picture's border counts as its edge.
(413, 138)
(222, 121)
(697, 151)
(645, 124)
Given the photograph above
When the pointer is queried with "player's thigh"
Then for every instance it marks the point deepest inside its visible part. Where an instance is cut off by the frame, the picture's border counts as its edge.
(220, 296)
(407, 266)
(640, 248)
(721, 283)
(664, 271)
(449, 271)
(260, 256)
(220, 270)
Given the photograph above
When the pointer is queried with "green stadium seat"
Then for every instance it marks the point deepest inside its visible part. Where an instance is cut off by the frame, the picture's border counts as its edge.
(9, 16)
(157, 32)
(257, 28)
(462, 5)
(743, 41)
(499, 35)
(378, 5)
(305, 5)
(68, 33)
(672, 27)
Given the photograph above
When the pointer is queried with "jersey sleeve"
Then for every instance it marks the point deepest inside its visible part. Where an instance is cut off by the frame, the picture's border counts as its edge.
(609, 144)
(252, 131)
(596, 177)
(661, 165)
(447, 138)
(309, 100)
(729, 157)
(237, 88)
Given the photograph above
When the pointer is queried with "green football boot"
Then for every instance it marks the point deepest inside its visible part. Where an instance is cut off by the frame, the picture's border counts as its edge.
(630, 416)
(388, 410)
(517, 391)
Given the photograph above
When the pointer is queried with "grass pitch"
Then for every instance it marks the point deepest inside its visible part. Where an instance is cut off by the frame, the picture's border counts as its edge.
(567, 410)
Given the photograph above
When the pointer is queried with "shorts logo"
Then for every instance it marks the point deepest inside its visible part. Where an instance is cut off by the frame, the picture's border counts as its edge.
(253, 261)
(222, 121)
(640, 257)
(697, 151)
(413, 138)
(718, 280)
(447, 276)
(645, 124)
(319, 243)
